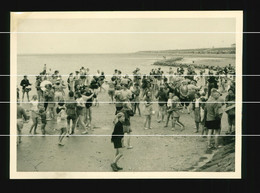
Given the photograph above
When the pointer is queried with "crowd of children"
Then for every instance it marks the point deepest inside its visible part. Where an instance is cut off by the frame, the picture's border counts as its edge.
(69, 103)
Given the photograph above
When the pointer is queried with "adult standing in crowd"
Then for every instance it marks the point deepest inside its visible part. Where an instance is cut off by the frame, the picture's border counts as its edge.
(25, 83)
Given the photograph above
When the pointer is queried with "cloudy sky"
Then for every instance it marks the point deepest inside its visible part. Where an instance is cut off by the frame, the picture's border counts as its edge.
(75, 42)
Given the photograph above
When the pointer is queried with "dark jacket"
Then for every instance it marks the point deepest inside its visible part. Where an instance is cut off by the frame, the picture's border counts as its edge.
(118, 130)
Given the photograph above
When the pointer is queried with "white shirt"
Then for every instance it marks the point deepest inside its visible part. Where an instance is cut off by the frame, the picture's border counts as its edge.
(34, 105)
(197, 103)
(169, 103)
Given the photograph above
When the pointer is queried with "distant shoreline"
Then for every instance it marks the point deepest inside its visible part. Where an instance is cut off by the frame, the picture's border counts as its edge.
(226, 52)
(158, 55)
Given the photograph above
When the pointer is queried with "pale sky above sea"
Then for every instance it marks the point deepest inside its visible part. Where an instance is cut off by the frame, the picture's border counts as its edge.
(57, 43)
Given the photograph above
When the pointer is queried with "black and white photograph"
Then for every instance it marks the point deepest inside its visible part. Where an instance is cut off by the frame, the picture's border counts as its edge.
(151, 94)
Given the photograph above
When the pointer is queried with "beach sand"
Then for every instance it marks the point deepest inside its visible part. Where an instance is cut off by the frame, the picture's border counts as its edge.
(87, 153)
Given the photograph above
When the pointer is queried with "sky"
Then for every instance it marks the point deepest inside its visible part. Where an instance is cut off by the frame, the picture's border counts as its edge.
(73, 43)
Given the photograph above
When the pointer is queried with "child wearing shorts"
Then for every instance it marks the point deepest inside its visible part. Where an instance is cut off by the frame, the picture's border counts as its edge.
(116, 139)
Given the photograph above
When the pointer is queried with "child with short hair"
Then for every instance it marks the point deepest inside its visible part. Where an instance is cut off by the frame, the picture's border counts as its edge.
(148, 110)
(61, 120)
(169, 110)
(176, 114)
(196, 107)
(34, 114)
(116, 139)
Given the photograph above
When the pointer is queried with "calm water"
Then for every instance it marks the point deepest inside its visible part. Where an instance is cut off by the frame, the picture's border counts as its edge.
(127, 63)
(33, 64)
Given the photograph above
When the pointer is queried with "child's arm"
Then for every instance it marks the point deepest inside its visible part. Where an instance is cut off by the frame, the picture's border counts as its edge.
(147, 104)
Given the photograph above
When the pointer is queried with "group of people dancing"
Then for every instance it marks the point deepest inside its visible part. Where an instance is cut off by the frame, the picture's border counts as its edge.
(205, 95)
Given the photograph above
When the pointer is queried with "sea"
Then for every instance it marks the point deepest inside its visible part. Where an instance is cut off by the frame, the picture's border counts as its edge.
(32, 65)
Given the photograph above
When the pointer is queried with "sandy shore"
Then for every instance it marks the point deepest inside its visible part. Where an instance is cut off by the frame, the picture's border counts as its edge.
(95, 153)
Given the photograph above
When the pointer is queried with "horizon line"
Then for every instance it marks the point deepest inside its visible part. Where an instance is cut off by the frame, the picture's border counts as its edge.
(134, 52)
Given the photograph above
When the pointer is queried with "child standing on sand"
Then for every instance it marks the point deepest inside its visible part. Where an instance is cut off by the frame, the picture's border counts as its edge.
(128, 112)
(148, 110)
(169, 110)
(196, 105)
(176, 114)
(34, 114)
(116, 139)
(61, 121)
(203, 117)
(42, 114)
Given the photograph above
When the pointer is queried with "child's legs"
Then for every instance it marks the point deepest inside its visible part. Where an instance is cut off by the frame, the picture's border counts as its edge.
(118, 155)
(138, 108)
(168, 118)
(203, 130)
(210, 132)
(217, 133)
(50, 109)
(163, 112)
(90, 115)
(134, 107)
(173, 122)
(178, 122)
(36, 124)
(27, 93)
(39, 96)
(146, 120)
(34, 119)
(43, 128)
(149, 121)
(63, 132)
(159, 112)
(23, 95)
(19, 131)
(81, 123)
(74, 120)
(197, 126)
(128, 136)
